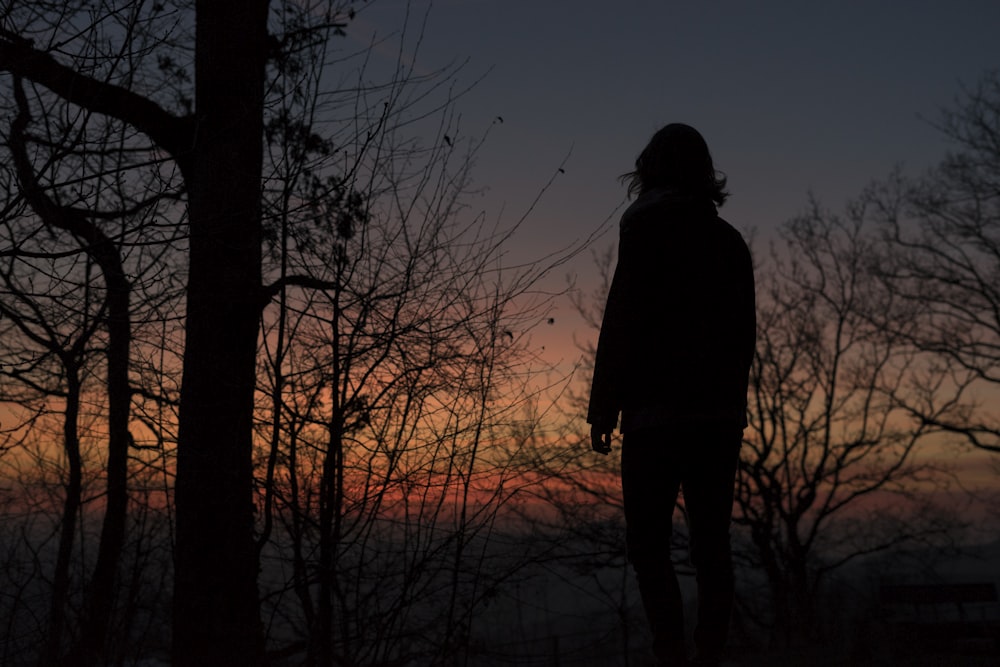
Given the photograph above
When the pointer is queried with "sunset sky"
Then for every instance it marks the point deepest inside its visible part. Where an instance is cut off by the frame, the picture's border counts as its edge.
(401, 469)
(793, 97)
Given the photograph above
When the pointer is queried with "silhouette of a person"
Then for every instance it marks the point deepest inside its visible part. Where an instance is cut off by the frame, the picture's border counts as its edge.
(673, 358)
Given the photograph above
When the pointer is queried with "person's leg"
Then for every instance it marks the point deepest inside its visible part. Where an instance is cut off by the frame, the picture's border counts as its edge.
(708, 483)
(650, 482)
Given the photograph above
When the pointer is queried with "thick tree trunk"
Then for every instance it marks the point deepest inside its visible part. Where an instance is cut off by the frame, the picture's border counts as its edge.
(216, 611)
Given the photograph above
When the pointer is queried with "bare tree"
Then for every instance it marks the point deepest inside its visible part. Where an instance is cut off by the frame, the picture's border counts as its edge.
(829, 471)
(217, 147)
(397, 368)
(116, 315)
(74, 253)
(941, 255)
(50, 363)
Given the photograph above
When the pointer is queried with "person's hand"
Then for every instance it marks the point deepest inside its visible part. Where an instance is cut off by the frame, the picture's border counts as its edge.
(600, 440)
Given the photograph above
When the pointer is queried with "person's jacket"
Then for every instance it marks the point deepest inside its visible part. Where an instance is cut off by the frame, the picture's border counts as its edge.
(679, 327)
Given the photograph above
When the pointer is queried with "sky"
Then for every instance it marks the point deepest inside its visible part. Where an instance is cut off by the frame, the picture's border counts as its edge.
(794, 98)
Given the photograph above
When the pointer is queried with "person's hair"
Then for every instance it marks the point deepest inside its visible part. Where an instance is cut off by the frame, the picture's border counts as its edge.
(677, 157)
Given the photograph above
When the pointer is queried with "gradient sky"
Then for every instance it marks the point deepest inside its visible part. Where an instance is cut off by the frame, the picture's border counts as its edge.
(793, 97)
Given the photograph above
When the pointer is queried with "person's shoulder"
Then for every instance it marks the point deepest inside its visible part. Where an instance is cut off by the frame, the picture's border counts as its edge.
(723, 223)
(648, 208)
(730, 230)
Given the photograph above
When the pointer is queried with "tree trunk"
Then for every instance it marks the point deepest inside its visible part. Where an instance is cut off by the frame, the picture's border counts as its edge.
(216, 610)
(100, 592)
(102, 589)
(71, 508)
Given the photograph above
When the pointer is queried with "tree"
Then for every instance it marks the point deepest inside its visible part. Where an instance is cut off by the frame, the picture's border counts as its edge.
(941, 256)
(218, 149)
(396, 364)
(55, 360)
(829, 471)
(75, 255)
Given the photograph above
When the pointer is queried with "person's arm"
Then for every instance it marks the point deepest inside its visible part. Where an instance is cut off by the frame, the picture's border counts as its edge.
(605, 389)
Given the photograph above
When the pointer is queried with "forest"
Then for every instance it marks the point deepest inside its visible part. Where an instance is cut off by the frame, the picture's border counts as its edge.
(268, 392)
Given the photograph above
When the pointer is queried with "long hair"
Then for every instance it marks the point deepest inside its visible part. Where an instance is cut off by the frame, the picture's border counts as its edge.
(677, 157)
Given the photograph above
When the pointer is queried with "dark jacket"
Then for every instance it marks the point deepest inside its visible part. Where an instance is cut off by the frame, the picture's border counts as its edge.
(679, 328)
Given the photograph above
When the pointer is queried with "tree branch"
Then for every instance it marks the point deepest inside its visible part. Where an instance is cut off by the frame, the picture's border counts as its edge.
(272, 290)
(172, 133)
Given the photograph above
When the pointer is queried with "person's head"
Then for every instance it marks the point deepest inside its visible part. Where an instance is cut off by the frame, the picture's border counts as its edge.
(677, 158)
